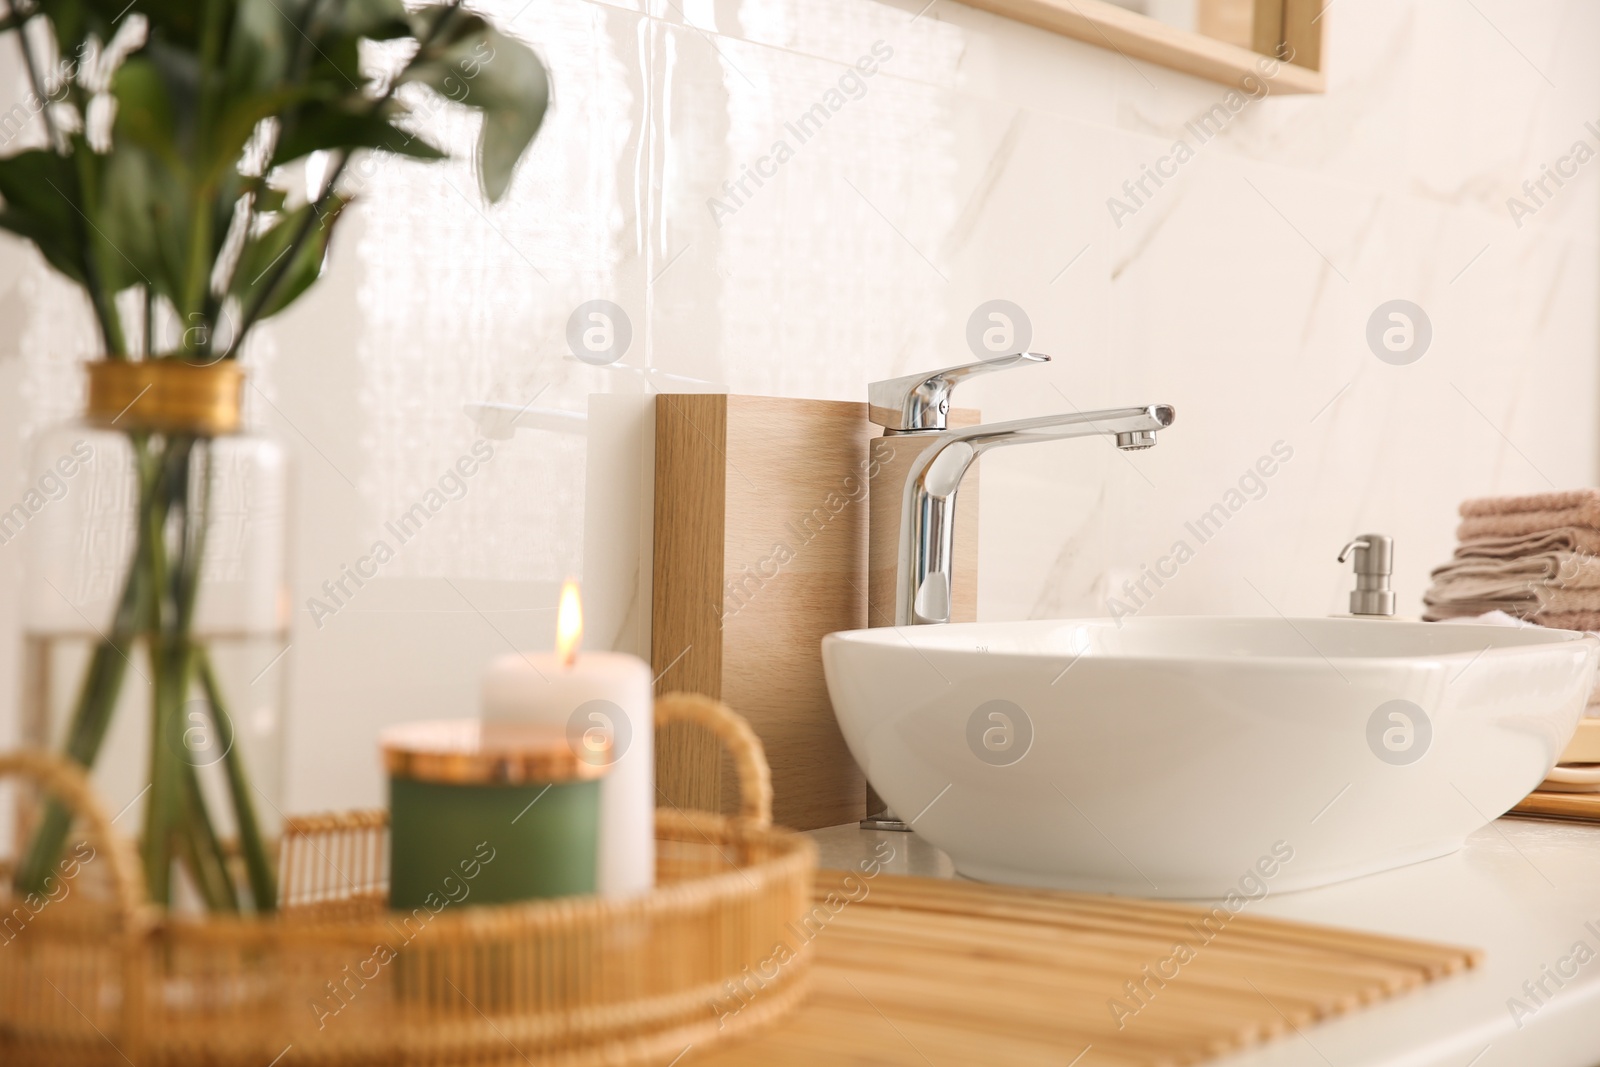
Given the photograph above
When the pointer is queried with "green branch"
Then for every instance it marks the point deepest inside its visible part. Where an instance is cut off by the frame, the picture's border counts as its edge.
(258, 861)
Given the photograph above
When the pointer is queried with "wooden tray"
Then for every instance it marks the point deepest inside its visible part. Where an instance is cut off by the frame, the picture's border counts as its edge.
(1582, 807)
(919, 971)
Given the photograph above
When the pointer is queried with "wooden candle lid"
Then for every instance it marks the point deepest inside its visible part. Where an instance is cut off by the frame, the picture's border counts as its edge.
(472, 751)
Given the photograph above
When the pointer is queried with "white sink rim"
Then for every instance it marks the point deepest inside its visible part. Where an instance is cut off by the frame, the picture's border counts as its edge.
(949, 638)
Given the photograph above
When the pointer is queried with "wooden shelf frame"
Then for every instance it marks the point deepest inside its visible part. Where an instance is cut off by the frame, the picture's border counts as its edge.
(1296, 23)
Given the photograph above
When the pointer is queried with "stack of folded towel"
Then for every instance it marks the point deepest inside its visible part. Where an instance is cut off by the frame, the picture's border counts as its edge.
(1534, 557)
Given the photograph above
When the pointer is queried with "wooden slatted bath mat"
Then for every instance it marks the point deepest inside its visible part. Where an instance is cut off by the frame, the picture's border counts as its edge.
(919, 971)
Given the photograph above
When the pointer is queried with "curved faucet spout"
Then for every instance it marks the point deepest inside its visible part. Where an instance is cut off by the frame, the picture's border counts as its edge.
(927, 527)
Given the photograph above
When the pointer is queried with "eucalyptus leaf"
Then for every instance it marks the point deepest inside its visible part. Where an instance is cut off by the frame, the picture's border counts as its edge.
(36, 189)
(515, 96)
(269, 200)
(40, 183)
(113, 268)
(238, 121)
(328, 130)
(474, 64)
(305, 262)
(279, 264)
(339, 60)
(144, 110)
(60, 248)
(265, 36)
(141, 215)
(376, 20)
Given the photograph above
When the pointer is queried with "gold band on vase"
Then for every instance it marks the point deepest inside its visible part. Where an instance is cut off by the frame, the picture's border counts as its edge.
(165, 396)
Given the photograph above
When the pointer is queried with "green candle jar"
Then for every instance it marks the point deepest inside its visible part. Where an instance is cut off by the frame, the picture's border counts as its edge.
(490, 813)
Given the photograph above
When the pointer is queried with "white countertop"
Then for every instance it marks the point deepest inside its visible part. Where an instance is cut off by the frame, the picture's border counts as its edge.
(1521, 890)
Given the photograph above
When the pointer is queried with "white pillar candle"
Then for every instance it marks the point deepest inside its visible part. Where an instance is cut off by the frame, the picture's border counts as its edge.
(583, 692)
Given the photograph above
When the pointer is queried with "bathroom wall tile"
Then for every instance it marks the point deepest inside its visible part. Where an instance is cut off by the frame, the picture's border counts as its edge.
(798, 282)
(1504, 90)
(434, 301)
(866, 252)
(926, 47)
(948, 45)
(1270, 276)
(1445, 101)
(1355, 132)
(1033, 68)
(1198, 323)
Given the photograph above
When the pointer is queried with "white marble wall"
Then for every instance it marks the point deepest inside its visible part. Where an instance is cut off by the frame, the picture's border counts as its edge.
(975, 163)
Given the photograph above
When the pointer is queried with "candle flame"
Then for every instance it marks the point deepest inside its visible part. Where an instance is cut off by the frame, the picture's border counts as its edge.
(569, 624)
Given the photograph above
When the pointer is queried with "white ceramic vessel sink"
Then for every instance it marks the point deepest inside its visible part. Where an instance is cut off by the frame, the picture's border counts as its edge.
(1185, 756)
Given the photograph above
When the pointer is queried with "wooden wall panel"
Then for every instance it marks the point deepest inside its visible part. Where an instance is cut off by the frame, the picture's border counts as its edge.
(1302, 32)
(1266, 28)
(685, 634)
(760, 550)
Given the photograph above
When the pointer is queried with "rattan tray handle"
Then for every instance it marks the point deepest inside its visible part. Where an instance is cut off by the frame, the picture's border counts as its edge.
(749, 758)
(67, 782)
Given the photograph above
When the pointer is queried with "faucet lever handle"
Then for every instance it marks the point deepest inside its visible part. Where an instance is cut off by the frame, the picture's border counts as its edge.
(919, 402)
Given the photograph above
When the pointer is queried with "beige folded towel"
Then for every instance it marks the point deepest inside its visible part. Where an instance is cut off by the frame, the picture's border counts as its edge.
(1557, 570)
(1569, 601)
(1565, 539)
(1519, 516)
(1569, 617)
(1557, 581)
(1568, 620)
(1535, 557)
(1524, 523)
(1441, 610)
(1565, 500)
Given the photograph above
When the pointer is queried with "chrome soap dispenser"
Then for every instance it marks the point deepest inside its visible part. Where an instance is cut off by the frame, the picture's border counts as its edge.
(1374, 564)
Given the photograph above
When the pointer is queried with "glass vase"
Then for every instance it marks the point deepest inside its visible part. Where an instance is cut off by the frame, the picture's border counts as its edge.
(155, 625)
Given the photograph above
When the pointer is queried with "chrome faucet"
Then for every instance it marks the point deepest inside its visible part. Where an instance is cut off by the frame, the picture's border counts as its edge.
(915, 409)
(918, 406)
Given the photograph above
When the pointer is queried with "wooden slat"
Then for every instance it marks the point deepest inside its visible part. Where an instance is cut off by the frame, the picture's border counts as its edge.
(921, 971)
(1266, 27)
(1227, 20)
(1302, 32)
(685, 631)
(1582, 806)
(795, 545)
